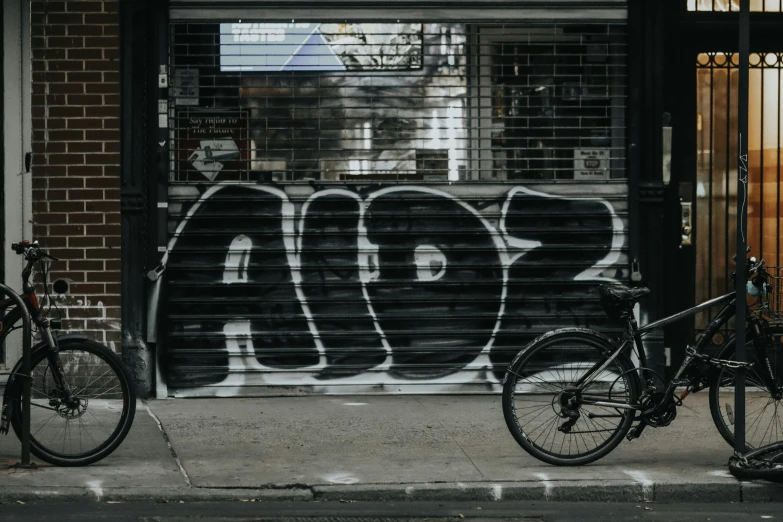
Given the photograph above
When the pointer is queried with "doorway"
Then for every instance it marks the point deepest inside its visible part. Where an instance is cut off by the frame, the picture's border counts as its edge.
(715, 189)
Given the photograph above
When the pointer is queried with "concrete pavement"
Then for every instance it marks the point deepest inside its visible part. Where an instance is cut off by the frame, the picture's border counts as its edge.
(378, 448)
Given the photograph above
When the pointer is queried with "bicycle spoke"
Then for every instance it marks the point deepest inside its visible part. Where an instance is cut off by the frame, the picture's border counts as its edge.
(758, 418)
(589, 422)
(548, 424)
(54, 437)
(99, 422)
(33, 390)
(105, 392)
(769, 426)
(536, 407)
(756, 410)
(570, 440)
(94, 380)
(65, 433)
(42, 407)
(596, 422)
(545, 384)
(87, 431)
(576, 442)
(562, 444)
(44, 424)
(534, 418)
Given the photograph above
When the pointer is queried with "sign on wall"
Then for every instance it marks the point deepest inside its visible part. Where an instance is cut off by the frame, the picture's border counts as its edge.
(185, 87)
(298, 46)
(591, 164)
(212, 143)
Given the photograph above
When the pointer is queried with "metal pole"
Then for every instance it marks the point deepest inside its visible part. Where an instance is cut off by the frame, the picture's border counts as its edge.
(742, 224)
(26, 384)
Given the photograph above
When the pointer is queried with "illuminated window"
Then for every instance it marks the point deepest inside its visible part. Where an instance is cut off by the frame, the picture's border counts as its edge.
(773, 6)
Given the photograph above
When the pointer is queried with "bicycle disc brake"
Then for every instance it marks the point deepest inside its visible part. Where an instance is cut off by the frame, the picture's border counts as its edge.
(67, 410)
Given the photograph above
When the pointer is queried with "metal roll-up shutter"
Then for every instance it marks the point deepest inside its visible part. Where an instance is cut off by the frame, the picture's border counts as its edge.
(386, 204)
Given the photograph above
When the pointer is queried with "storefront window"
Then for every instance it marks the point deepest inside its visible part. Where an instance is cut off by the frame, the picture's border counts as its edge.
(558, 103)
(403, 101)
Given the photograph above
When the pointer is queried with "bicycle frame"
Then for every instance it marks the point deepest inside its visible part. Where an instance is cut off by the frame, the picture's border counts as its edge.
(633, 337)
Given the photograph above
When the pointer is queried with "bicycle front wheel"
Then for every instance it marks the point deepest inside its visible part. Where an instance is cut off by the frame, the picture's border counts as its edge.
(763, 407)
(538, 397)
(95, 421)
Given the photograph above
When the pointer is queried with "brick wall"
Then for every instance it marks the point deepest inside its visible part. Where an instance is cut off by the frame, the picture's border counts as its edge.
(76, 157)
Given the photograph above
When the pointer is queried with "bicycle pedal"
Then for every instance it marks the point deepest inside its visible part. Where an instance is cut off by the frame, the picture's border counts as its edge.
(637, 431)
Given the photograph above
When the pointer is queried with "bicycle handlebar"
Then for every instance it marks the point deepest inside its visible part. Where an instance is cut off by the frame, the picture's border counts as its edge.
(752, 268)
(31, 251)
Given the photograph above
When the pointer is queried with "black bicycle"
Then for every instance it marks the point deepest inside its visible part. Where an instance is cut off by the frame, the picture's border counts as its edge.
(571, 395)
(82, 397)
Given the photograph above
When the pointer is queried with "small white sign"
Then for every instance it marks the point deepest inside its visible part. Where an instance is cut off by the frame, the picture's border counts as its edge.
(206, 159)
(185, 90)
(591, 164)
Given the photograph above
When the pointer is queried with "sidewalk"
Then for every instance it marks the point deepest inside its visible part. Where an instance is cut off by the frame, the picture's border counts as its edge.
(377, 448)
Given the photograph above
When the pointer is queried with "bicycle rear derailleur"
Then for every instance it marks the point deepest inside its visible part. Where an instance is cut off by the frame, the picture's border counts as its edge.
(567, 402)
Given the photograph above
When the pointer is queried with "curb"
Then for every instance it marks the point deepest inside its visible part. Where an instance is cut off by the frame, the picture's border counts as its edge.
(81, 494)
(555, 491)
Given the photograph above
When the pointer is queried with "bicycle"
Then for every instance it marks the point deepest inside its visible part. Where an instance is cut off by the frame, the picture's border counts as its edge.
(572, 394)
(82, 397)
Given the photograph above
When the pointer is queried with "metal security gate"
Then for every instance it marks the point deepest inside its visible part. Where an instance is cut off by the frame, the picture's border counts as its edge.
(357, 205)
(717, 76)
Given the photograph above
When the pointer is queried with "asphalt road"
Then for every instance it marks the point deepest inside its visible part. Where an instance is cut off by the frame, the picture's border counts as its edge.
(386, 512)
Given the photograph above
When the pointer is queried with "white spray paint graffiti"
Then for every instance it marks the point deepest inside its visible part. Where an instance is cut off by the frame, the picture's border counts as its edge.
(430, 263)
(237, 259)
(244, 368)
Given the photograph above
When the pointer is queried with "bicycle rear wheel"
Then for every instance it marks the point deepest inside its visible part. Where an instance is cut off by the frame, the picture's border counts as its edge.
(763, 409)
(537, 384)
(96, 422)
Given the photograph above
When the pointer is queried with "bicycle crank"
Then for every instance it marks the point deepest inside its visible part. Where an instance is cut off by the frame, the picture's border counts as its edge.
(658, 410)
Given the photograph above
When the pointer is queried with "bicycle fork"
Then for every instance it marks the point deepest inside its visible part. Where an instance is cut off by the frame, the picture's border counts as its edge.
(55, 364)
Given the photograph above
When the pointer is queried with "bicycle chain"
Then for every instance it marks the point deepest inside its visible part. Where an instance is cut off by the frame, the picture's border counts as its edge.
(718, 363)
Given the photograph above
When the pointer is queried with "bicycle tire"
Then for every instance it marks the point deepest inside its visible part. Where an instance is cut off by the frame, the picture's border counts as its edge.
(765, 463)
(603, 345)
(127, 389)
(717, 378)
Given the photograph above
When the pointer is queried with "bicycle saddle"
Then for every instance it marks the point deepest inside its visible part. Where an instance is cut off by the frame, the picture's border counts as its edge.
(619, 294)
